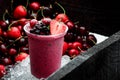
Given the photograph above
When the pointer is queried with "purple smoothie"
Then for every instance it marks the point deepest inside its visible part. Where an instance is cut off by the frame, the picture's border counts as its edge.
(45, 52)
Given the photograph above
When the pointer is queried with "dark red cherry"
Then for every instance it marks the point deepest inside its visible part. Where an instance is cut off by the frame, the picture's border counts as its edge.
(79, 39)
(47, 11)
(6, 61)
(24, 49)
(83, 31)
(70, 37)
(85, 46)
(3, 48)
(3, 25)
(4, 34)
(22, 41)
(91, 40)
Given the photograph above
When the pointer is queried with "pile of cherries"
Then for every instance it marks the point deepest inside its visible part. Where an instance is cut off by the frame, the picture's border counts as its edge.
(14, 42)
(77, 40)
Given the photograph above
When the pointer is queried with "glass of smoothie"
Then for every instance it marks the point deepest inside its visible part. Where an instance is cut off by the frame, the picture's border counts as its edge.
(45, 52)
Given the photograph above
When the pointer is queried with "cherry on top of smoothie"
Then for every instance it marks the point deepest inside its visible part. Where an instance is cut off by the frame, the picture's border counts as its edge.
(47, 27)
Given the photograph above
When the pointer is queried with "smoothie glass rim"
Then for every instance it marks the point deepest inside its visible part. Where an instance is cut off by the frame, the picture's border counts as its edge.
(27, 30)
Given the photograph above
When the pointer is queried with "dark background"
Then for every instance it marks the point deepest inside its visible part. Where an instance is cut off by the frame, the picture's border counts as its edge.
(100, 16)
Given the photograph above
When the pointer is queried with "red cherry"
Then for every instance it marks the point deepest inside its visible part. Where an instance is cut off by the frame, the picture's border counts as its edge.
(73, 52)
(20, 27)
(46, 20)
(70, 25)
(20, 57)
(77, 45)
(22, 21)
(62, 17)
(14, 23)
(14, 33)
(33, 22)
(65, 47)
(35, 6)
(70, 45)
(2, 70)
(20, 12)
(12, 51)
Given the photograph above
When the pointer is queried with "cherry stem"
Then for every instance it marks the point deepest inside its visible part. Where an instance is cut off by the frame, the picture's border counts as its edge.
(1, 39)
(42, 8)
(37, 12)
(61, 7)
(76, 22)
(50, 5)
(27, 3)
(73, 56)
(79, 48)
(14, 41)
(6, 12)
(12, 5)
(14, 23)
(35, 17)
